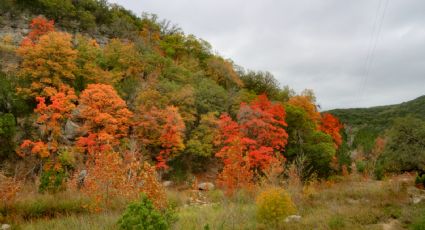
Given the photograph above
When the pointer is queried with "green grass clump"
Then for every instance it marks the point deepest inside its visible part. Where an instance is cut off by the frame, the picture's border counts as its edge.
(336, 222)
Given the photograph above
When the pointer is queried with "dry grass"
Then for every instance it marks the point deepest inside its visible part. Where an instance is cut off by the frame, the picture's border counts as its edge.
(353, 203)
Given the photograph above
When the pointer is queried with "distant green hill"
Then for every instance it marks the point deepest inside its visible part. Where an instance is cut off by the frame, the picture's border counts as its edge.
(365, 124)
(381, 117)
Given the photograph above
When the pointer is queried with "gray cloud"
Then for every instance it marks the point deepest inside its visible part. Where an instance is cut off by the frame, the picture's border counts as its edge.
(321, 45)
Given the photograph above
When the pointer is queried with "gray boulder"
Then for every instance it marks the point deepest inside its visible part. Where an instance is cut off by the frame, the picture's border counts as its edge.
(293, 218)
(72, 130)
(206, 186)
(167, 183)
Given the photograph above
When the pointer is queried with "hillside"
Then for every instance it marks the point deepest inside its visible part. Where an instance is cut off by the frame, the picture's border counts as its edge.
(381, 117)
(109, 120)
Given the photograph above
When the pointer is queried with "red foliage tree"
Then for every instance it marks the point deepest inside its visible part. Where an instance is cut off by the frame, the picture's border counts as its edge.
(255, 143)
(171, 136)
(329, 124)
(263, 123)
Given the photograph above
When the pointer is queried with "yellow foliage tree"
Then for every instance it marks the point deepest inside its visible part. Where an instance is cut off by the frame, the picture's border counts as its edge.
(48, 64)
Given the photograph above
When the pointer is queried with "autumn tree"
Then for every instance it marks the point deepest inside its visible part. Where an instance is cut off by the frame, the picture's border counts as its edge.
(105, 117)
(237, 172)
(264, 124)
(171, 138)
(259, 136)
(52, 115)
(160, 132)
(48, 63)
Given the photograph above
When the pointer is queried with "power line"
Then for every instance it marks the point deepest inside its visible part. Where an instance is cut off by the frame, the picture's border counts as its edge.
(373, 43)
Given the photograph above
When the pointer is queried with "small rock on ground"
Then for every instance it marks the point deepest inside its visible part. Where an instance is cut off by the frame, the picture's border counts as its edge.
(293, 218)
(392, 225)
(206, 186)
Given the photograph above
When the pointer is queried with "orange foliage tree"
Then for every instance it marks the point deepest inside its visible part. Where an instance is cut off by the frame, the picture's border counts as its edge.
(329, 124)
(105, 117)
(48, 63)
(51, 119)
(161, 132)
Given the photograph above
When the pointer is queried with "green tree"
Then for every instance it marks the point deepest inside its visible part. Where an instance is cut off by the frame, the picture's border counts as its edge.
(210, 97)
(405, 147)
(306, 141)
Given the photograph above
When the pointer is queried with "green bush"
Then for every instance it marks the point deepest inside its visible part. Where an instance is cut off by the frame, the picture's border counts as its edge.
(143, 215)
(361, 166)
(52, 180)
(273, 205)
(420, 179)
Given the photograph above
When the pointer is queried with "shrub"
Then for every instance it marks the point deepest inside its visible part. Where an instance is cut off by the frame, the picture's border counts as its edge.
(143, 215)
(361, 166)
(420, 179)
(52, 180)
(273, 205)
(8, 189)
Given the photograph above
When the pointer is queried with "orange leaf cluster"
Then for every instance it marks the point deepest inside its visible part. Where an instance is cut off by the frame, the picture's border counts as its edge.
(37, 148)
(331, 125)
(171, 136)
(306, 103)
(40, 26)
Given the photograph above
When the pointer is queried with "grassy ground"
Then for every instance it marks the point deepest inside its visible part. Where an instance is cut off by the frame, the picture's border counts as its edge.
(350, 204)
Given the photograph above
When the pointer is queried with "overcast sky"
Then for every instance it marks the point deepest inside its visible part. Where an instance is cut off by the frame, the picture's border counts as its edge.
(351, 53)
